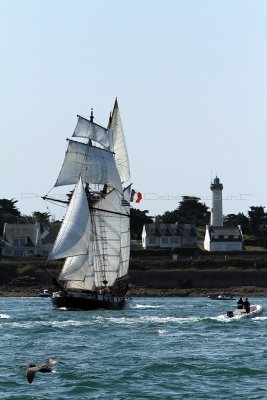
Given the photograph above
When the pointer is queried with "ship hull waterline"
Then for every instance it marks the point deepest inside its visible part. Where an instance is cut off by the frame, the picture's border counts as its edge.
(86, 302)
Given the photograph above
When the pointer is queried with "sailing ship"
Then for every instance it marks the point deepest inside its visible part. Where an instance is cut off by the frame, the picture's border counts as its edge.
(94, 238)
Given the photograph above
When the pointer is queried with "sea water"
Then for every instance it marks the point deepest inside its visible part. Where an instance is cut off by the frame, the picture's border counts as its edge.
(157, 348)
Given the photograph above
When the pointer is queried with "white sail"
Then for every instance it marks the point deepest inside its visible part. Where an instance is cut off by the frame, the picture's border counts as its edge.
(90, 130)
(118, 145)
(108, 254)
(125, 235)
(108, 214)
(78, 273)
(93, 164)
(74, 232)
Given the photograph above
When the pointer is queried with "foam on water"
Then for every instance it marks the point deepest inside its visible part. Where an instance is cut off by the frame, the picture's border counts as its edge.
(144, 306)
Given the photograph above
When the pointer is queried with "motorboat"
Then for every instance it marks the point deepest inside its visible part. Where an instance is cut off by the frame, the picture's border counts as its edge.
(45, 293)
(255, 311)
(220, 297)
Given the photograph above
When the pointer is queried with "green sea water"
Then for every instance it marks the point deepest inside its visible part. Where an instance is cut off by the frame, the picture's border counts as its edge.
(160, 348)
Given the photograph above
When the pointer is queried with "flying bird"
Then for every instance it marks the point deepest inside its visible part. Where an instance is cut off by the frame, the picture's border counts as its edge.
(47, 367)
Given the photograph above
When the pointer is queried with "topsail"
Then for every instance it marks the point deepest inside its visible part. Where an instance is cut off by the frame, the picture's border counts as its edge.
(93, 164)
(90, 130)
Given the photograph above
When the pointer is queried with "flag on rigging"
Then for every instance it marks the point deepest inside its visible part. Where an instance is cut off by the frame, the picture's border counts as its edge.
(136, 196)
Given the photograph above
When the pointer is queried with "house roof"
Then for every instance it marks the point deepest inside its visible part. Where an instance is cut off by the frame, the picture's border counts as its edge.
(173, 230)
(225, 233)
(51, 235)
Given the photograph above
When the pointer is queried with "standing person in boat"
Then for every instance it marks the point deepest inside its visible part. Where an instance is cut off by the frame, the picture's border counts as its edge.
(247, 305)
(240, 304)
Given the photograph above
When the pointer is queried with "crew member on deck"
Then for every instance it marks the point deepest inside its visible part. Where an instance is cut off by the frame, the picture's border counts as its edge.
(247, 305)
(240, 304)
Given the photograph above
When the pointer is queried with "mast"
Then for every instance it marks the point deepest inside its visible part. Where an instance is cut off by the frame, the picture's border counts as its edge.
(92, 115)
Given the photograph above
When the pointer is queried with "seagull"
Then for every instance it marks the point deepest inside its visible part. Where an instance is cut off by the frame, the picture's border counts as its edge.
(47, 367)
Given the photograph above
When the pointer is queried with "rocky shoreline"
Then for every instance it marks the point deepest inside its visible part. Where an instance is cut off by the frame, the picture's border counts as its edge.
(137, 291)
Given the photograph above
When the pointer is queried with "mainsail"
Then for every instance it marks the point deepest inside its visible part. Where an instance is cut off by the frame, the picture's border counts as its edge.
(94, 237)
(111, 224)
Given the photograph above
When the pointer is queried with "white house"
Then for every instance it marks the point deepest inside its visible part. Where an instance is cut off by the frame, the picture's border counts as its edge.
(219, 238)
(168, 235)
(21, 240)
(26, 240)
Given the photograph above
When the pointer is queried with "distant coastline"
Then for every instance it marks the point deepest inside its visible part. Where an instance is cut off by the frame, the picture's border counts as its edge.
(248, 291)
(157, 276)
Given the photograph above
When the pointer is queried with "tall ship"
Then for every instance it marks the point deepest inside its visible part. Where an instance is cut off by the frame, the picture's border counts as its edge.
(94, 237)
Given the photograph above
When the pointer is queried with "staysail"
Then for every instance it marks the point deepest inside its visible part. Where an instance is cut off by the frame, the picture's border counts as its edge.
(74, 234)
(78, 273)
(118, 144)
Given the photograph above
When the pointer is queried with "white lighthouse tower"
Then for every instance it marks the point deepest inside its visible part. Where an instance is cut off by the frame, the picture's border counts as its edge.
(216, 217)
(217, 236)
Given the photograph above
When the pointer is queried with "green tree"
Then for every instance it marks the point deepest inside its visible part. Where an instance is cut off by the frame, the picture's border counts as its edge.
(169, 217)
(137, 219)
(42, 217)
(8, 212)
(237, 219)
(258, 223)
(8, 207)
(189, 211)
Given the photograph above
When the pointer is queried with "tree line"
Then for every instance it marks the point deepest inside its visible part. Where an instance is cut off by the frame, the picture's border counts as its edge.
(190, 211)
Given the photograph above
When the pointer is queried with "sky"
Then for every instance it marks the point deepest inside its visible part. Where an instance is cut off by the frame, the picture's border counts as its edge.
(191, 81)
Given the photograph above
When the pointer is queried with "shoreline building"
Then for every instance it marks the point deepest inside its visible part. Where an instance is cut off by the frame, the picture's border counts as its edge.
(216, 216)
(27, 240)
(217, 236)
(168, 235)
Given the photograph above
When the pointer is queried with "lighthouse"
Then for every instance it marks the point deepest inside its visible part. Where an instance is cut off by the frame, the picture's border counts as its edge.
(217, 236)
(216, 217)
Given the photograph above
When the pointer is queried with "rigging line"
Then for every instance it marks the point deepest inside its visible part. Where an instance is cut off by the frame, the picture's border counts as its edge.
(55, 200)
(111, 212)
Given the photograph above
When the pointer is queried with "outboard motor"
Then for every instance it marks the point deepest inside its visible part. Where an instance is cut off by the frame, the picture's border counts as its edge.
(230, 314)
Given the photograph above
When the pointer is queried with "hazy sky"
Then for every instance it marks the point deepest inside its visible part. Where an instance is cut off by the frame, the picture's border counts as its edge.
(191, 82)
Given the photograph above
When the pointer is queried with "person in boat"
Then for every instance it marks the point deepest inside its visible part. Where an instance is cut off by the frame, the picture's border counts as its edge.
(240, 304)
(247, 305)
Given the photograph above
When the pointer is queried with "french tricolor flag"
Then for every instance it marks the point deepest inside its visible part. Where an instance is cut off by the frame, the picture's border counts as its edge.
(136, 196)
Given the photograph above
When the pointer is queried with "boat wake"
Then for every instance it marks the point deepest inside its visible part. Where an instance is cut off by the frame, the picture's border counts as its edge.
(224, 318)
(143, 306)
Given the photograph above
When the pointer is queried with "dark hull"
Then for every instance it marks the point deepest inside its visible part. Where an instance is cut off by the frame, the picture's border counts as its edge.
(83, 302)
